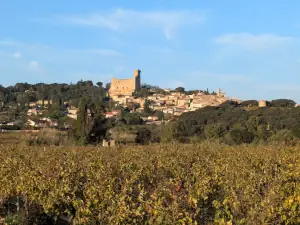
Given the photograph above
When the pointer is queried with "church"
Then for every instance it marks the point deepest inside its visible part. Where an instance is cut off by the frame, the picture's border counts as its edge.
(126, 86)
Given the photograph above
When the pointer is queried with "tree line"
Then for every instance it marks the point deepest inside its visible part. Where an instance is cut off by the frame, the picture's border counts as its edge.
(235, 124)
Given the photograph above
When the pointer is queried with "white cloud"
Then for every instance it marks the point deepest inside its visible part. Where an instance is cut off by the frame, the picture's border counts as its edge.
(17, 55)
(126, 20)
(34, 66)
(252, 42)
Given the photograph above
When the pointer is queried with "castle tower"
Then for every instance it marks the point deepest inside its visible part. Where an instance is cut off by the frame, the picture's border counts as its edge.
(136, 80)
(219, 94)
(136, 73)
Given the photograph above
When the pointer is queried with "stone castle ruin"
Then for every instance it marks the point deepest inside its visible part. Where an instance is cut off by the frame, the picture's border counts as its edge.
(126, 86)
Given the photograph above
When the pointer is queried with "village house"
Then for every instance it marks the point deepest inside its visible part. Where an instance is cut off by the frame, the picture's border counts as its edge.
(161, 102)
(184, 101)
(46, 102)
(109, 115)
(32, 104)
(72, 116)
(177, 94)
(200, 93)
(113, 113)
(140, 110)
(179, 110)
(154, 122)
(116, 112)
(262, 103)
(197, 104)
(236, 100)
(37, 123)
(50, 122)
(144, 118)
(170, 103)
(140, 101)
(152, 98)
(168, 111)
(201, 101)
(156, 96)
(152, 118)
(109, 143)
(72, 112)
(122, 99)
(32, 112)
(42, 123)
(30, 123)
(158, 107)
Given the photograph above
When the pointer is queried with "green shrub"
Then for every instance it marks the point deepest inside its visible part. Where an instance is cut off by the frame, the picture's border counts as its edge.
(215, 130)
(239, 136)
(48, 136)
(282, 103)
(143, 136)
(283, 137)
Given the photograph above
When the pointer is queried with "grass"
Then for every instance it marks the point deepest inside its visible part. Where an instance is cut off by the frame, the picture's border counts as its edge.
(10, 138)
(43, 137)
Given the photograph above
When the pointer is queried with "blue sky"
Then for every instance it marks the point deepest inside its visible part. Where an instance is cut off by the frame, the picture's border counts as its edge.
(250, 49)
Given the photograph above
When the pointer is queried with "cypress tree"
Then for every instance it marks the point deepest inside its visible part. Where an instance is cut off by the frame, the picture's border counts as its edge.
(82, 121)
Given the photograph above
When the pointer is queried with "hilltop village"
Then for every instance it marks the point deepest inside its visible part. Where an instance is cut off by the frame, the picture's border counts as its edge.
(25, 106)
(124, 93)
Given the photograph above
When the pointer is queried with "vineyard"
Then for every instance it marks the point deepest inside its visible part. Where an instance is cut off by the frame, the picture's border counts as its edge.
(157, 184)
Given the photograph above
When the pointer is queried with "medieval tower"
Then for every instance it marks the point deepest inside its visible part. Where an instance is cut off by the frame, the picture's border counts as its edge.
(126, 86)
(137, 80)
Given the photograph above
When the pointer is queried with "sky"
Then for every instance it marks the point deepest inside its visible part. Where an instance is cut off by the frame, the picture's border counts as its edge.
(250, 49)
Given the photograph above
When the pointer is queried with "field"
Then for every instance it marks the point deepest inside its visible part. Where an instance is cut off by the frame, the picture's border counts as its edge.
(10, 138)
(157, 184)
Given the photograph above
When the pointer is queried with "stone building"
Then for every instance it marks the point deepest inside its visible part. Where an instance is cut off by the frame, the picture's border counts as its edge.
(220, 94)
(109, 143)
(208, 100)
(262, 103)
(126, 86)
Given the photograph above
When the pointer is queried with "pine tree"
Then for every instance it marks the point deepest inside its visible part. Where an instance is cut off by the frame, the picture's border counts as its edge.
(91, 123)
(98, 121)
